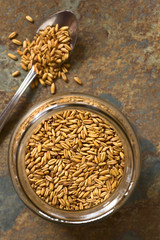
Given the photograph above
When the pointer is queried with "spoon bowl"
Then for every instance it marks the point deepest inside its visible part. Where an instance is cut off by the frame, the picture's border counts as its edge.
(63, 18)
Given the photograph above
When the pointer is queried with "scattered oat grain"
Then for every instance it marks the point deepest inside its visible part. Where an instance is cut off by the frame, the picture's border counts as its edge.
(17, 42)
(15, 74)
(12, 56)
(30, 19)
(12, 35)
(78, 80)
(23, 66)
(53, 88)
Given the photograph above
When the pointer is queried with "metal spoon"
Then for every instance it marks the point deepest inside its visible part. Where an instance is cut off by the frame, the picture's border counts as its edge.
(63, 18)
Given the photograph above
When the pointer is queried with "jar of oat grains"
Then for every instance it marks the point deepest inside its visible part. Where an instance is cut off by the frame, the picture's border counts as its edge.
(74, 158)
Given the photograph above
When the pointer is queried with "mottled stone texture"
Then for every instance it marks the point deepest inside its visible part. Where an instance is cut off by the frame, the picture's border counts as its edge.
(117, 56)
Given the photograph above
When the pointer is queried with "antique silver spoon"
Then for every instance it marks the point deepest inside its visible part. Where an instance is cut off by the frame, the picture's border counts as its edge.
(63, 18)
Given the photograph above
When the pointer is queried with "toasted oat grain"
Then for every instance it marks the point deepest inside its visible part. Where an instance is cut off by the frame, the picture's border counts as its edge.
(19, 52)
(77, 80)
(12, 56)
(30, 19)
(52, 88)
(12, 35)
(64, 77)
(15, 74)
(17, 42)
(23, 66)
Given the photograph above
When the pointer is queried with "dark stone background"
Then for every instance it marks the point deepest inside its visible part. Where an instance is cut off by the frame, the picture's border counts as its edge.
(117, 57)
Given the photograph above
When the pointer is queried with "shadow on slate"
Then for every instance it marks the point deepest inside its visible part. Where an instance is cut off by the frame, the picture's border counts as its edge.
(111, 99)
(150, 162)
(10, 204)
(17, 114)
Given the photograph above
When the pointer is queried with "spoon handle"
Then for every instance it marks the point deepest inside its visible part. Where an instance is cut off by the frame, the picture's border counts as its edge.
(8, 109)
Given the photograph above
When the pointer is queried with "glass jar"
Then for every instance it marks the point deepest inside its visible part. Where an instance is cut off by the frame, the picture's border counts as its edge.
(44, 110)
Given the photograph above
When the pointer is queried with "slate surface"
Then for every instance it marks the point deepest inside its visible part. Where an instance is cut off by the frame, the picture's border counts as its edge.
(117, 57)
